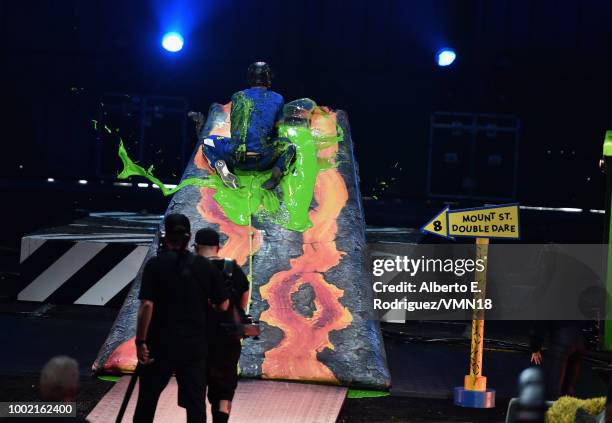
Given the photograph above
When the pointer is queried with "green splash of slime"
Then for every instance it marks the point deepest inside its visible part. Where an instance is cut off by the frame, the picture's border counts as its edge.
(132, 169)
(250, 199)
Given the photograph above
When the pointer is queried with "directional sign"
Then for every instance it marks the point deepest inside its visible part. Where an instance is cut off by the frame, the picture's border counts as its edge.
(483, 222)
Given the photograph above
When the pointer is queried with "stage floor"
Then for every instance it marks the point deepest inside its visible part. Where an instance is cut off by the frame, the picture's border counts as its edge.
(293, 403)
(423, 372)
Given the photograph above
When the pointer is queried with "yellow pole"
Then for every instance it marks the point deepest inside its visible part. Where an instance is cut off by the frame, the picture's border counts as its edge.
(250, 275)
(475, 381)
(251, 235)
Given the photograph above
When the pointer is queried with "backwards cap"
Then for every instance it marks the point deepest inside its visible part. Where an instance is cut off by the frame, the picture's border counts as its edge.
(176, 224)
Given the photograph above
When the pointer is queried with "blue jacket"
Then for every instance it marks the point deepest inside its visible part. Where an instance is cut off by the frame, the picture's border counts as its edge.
(255, 112)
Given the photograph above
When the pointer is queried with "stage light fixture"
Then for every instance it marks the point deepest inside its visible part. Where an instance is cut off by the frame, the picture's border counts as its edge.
(445, 56)
(172, 41)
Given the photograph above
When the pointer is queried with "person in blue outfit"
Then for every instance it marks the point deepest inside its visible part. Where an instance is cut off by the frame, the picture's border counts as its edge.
(252, 146)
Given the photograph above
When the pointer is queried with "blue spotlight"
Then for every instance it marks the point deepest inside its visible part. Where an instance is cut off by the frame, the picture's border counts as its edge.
(445, 56)
(173, 41)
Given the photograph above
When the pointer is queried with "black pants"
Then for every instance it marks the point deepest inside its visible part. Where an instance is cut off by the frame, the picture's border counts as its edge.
(191, 380)
(562, 361)
(222, 378)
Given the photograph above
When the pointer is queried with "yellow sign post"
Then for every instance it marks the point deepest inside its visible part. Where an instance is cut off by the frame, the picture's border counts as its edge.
(481, 223)
(475, 381)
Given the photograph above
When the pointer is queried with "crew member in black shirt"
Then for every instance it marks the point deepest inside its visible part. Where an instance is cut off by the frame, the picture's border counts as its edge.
(177, 287)
(224, 344)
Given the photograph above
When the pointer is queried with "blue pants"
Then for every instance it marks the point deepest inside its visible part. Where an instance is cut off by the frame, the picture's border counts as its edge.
(280, 153)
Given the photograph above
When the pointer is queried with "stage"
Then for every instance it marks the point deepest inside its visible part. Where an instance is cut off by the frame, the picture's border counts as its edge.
(426, 361)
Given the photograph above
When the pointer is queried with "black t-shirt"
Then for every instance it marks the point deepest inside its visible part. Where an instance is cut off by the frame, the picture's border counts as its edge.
(239, 285)
(180, 291)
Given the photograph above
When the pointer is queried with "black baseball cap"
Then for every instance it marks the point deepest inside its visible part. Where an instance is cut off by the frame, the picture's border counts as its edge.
(177, 223)
(207, 236)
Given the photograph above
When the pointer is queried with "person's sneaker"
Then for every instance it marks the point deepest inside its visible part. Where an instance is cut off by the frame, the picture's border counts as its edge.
(229, 179)
(274, 180)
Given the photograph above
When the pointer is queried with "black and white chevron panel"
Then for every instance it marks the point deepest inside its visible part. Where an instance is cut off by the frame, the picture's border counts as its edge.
(68, 271)
(92, 261)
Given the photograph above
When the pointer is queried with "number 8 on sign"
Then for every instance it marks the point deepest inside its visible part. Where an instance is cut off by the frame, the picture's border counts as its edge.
(437, 225)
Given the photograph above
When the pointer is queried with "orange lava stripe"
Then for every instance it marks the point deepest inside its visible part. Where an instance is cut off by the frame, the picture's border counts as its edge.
(295, 357)
(123, 359)
(237, 245)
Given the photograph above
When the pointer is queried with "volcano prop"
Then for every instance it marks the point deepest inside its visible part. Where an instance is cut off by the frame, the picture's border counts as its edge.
(303, 245)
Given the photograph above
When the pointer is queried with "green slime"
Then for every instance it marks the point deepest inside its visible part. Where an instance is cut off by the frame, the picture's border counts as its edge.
(242, 107)
(364, 393)
(240, 204)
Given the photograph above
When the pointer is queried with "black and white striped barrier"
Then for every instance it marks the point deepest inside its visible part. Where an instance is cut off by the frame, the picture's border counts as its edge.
(92, 269)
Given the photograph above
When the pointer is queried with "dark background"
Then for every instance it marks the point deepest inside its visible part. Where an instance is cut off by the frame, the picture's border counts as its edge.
(548, 62)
